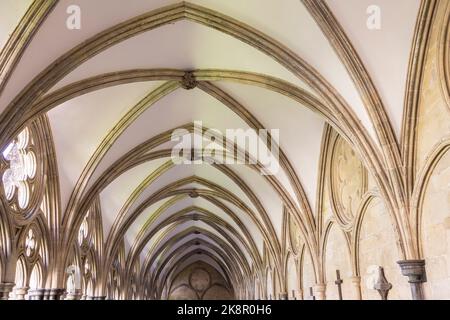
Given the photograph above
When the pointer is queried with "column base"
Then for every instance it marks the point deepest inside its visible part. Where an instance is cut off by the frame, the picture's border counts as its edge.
(319, 291)
(356, 284)
(283, 296)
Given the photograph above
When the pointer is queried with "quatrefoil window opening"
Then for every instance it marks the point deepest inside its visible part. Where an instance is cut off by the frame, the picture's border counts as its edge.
(22, 168)
(30, 243)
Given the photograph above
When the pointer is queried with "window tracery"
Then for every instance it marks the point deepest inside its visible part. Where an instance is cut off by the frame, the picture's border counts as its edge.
(30, 243)
(21, 169)
(84, 231)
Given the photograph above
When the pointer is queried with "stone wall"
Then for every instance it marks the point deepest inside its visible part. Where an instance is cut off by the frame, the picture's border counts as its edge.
(199, 281)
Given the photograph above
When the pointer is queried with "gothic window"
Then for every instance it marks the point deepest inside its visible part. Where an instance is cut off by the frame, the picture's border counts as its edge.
(21, 169)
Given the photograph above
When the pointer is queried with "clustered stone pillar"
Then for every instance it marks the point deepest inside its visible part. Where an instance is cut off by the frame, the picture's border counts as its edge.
(283, 296)
(76, 295)
(319, 291)
(5, 289)
(415, 271)
(356, 284)
(54, 294)
(20, 293)
(36, 294)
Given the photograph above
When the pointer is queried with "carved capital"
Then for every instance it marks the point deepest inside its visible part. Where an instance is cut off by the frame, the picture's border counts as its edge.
(75, 295)
(415, 271)
(36, 294)
(54, 294)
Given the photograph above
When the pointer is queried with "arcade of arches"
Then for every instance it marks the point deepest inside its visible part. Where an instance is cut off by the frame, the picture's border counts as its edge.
(92, 205)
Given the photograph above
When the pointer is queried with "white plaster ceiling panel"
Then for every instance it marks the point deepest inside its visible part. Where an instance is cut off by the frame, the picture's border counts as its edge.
(79, 125)
(205, 204)
(300, 129)
(166, 233)
(192, 237)
(265, 194)
(12, 11)
(290, 23)
(200, 225)
(192, 46)
(251, 226)
(183, 171)
(197, 258)
(294, 27)
(280, 175)
(181, 265)
(135, 228)
(193, 253)
(53, 38)
(149, 244)
(241, 248)
(385, 52)
(140, 221)
(246, 220)
(115, 194)
(174, 110)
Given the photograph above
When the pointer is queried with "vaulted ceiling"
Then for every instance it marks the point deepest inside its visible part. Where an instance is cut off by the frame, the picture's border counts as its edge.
(113, 93)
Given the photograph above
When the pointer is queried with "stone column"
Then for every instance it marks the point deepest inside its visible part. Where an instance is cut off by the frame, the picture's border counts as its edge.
(300, 295)
(5, 289)
(356, 284)
(415, 271)
(294, 295)
(76, 295)
(319, 291)
(36, 294)
(20, 293)
(283, 296)
(54, 294)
